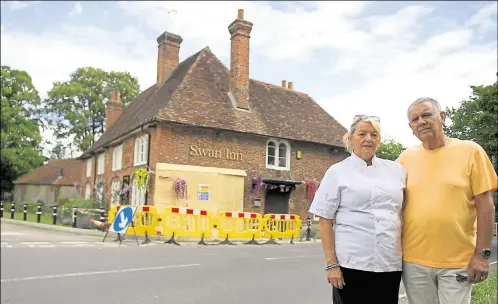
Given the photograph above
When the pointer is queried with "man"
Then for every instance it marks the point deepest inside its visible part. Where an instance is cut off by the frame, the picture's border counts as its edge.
(449, 185)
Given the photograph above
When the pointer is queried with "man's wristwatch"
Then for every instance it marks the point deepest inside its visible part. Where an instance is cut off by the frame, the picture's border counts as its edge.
(486, 253)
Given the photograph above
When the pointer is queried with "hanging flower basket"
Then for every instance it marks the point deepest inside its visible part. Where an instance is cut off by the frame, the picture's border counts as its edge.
(180, 187)
(257, 185)
(142, 178)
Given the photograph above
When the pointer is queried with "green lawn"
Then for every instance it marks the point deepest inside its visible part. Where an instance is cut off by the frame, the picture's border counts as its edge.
(485, 292)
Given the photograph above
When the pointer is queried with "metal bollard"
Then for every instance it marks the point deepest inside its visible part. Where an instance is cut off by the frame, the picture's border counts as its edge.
(75, 209)
(12, 210)
(1, 208)
(25, 211)
(38, 213)
(308, 229)
(102, 218)
(54, 214)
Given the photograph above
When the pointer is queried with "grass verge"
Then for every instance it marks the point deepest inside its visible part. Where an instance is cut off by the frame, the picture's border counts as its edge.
(32, 217)
(485, 292)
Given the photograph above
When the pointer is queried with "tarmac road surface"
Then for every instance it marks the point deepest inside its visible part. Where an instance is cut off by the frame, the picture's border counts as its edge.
(55, 267)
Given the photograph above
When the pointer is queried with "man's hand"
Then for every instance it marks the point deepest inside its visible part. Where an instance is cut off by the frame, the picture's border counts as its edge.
(478, 269)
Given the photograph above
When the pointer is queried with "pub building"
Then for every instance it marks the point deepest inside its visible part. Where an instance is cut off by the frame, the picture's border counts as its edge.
(211, 138)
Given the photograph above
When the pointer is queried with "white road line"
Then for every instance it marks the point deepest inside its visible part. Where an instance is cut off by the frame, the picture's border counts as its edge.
(74, 242)
(42, 246)
(78, 274)
(35, 243)
(11, 233)
(295, 257)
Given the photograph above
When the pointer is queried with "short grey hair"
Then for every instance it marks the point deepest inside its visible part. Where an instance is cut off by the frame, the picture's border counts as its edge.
(346, 139)
(420, 100)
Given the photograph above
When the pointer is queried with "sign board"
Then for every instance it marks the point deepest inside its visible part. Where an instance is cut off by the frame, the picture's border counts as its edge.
(123, 219)
(203, 192)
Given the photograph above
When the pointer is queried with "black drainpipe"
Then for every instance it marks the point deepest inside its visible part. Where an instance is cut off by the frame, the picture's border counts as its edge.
(148, 160)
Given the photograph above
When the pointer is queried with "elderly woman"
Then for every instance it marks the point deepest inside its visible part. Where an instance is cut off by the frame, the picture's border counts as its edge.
(359, 203)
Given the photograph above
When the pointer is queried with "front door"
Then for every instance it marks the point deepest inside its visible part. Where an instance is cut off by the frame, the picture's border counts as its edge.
(277, 202)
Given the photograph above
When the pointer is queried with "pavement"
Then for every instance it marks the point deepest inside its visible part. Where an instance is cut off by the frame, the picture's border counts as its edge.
(46, 266)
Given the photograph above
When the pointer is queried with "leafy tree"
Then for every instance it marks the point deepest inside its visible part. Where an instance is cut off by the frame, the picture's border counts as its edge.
(77, 107)
(20, 132)
(476, 119)
(389, 149)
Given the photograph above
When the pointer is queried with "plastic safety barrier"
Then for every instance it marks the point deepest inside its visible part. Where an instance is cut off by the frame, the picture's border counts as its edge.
(281, 225)
(239, 225)
(185, 222)
(145, 221)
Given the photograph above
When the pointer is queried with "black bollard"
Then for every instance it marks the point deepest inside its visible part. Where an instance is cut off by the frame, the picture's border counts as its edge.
(38, 213)
(308, 229)
(75, 209)
(12, 210)
(54, 214)
(1, 208)
(25, 211)
(102, 218)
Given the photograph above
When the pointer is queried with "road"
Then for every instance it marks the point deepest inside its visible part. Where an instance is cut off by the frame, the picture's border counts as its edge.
(54, 267)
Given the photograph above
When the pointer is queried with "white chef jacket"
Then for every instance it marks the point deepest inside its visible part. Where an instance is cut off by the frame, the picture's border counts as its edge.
(365, 202)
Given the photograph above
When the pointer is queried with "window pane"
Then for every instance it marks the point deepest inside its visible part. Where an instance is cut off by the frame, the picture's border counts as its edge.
(282, 155)
(271, 160)
(282, 162)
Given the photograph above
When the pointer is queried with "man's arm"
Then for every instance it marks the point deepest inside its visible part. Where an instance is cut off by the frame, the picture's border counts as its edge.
(478, 268)
(485, 220)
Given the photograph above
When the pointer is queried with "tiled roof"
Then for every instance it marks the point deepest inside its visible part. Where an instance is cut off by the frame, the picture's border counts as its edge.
(197, 94)
(50, 173)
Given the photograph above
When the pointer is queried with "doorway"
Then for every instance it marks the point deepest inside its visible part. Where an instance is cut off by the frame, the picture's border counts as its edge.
(276, 201)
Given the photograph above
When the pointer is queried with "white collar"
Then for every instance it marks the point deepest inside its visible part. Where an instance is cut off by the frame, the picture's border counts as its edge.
(359, 162)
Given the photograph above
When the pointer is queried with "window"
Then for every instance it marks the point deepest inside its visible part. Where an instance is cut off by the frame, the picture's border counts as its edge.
(89, 167)
(140, 155)
(117, 157)
(100, 163)
(278, 154)
(137, 195)
(115, 192)
(88, 191)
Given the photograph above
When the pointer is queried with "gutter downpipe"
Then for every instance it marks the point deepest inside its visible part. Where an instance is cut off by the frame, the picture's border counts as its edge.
(148, 158)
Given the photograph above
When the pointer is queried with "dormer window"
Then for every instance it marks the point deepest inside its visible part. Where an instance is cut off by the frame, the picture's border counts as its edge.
(278, 154)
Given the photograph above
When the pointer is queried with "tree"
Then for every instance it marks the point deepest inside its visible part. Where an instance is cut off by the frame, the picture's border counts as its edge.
(476, 119)
(389, 149)
(20, 126)
(77, 107)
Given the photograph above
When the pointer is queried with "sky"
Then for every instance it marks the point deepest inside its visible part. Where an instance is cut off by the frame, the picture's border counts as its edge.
(371, 58)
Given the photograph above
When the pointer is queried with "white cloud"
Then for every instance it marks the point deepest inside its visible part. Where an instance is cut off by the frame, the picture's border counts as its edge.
(18, 5)
(391, 61)
(77, 9)
(485, 18)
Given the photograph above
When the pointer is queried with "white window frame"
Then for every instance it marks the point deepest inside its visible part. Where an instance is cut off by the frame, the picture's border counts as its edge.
(117, 157)
(116, 187)
(101, 164)
(140, 152)
(275, 165)
(88, 191)
(89, 167)
(137, 195)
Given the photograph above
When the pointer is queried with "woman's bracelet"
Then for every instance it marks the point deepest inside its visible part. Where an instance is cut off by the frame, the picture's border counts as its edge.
(330, 266)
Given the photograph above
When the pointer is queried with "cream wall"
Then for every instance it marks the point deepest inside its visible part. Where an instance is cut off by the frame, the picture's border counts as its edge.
(226, 187)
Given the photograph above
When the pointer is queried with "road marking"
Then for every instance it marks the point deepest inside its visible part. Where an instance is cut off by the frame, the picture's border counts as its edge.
(35, 243)
(11, 233)
(295, 257)
(79, 274)
(74, 242)
(42, 246)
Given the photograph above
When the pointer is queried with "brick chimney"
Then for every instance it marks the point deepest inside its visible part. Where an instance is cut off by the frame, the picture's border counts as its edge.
(113, 109)
(240, 30)
(168, 55)
(284, 84)
(290, 85)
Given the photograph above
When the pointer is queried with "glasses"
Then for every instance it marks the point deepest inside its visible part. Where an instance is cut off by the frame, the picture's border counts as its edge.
(364, 117)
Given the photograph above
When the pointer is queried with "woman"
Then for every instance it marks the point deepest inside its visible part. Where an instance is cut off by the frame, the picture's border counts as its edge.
(362, 196)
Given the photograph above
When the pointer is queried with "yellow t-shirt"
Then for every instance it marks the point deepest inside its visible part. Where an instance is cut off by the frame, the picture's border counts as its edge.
(439, 220)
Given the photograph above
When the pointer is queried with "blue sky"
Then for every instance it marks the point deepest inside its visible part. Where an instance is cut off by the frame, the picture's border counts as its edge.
(351, 57)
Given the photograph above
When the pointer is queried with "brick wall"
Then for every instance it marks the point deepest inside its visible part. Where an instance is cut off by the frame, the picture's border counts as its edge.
(171, 144)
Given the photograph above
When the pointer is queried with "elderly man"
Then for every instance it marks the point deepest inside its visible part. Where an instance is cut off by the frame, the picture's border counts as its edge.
(449, 184)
